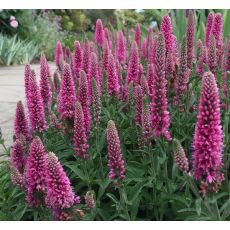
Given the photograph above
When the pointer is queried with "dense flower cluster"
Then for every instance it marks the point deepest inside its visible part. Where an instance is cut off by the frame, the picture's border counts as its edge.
(35, 173)
(35, 105)
(180, 157)
(115, 159)
(80, 139)
(208, 143)
(159, 103)
(60, 194)
(66, 100)
(20, 122)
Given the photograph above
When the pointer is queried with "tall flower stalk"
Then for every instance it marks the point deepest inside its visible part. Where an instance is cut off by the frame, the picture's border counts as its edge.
(115, 159)
(66, 100)
(159, 103)
(80, 139)
(208, 143)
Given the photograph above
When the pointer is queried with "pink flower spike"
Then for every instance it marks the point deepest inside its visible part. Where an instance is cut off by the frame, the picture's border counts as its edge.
(83, 98)
(212, 55)
(107, 37)
(66, 101)
(17, 156)
(137, 37)
(133, 66)
(121, 48)
(159, 103)
(59, 56)
(80, 139)
(99, 33)
(209, 24)
(166, 30)
(190, 39)
(208, 137)
(35, 105)
(93, 73)
(77, 58)
(115, 159)
(113, 85)
(138, 104)
(60, 194)
(21, 123)
(35, 173)
(44, 82)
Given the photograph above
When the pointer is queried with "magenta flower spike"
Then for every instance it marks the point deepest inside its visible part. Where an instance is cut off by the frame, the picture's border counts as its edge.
(96, 104)
(89, 200)
(146, 123)
(144, 49)
(17, 156)
(208, 29)
(35, 173)
(44, 82)
(17, 178)
(144, 86)
(56, 81)
(77, 58)
(80, 139)
(212, 55)
(21, 123)
(149, 36)
(27, 74)
(217, 29)
(112, 77)
(190, 37)
(85, 57)
(150, 77)
(60, 194)
(83, 98)
(35, 106)
(166, 30)
(107, 37)
(121, 48)
(59, 56)
(137, 36)
(115, 159)
(180, 157)
(133, 66)
(66, 101)
(105, 56)
(93, 73)
(183, 78)
(99, 33)
(207, 142)
(228, 54)
(200, 58)
(152, 50)
(170, 67)
(159, 103)
(138, 105)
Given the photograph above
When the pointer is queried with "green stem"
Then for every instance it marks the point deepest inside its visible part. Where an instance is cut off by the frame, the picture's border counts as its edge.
(99, 152)
(123, 202)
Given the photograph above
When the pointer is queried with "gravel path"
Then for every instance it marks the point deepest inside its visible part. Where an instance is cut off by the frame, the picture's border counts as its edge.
(11, 91)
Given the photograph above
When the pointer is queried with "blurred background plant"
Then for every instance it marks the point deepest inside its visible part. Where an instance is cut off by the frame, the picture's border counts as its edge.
(27, 33)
